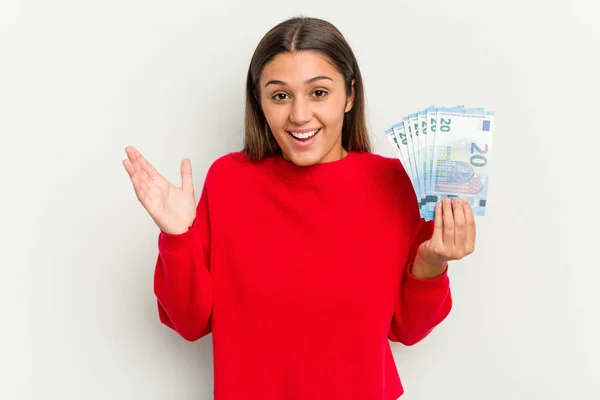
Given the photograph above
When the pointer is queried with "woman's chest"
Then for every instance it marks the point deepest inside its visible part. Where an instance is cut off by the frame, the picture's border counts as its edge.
(314, 252)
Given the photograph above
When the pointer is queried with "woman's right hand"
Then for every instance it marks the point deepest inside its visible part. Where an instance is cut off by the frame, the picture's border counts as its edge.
(172, 208)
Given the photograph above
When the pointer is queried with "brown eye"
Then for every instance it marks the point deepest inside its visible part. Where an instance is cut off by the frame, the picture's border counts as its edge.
(279, 96)
(320, 93)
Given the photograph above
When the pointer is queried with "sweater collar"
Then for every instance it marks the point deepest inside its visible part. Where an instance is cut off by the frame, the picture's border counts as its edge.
(312, 173)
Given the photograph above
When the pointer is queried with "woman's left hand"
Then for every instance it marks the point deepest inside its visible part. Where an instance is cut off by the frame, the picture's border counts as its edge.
(453, 238)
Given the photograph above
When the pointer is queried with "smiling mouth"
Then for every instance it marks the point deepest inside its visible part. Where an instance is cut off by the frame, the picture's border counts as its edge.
(305, 135)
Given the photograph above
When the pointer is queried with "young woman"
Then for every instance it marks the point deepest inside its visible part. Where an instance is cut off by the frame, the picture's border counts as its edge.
(306, 253)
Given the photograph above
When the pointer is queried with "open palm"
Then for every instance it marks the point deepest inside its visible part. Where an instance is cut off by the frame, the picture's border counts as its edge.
(172, 208)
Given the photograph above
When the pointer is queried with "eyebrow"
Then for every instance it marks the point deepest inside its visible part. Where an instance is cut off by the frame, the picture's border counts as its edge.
(308, 82)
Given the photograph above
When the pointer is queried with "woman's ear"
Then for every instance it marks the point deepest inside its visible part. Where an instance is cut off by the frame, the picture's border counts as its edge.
(350, 99)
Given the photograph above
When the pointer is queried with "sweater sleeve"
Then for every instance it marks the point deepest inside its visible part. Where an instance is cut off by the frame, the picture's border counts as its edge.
(422, 304)
(182, 281)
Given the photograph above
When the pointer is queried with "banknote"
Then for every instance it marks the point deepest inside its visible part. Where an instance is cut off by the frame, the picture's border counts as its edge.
(412, 142)
(446, 152)
(406, 151)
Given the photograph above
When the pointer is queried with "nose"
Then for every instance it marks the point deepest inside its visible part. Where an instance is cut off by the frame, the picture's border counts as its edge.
(300, 113)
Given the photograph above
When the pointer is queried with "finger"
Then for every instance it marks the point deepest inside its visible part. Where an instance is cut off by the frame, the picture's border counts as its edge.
(134, 157)
(448, 218)
(470, 230)
(186, 175)
(140, 163)
(135, 168)
(130, 150)
(147, 167)
(438, 227)
(132, 154)
(459, 226)
(144, 177)
(132, 174)
(144, 182)
(129, 167)
(135, 177)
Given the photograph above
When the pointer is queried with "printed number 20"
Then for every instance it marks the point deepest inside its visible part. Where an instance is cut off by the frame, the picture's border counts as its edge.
(478, 160)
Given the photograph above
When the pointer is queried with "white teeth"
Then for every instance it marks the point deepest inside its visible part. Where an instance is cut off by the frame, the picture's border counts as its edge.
(305, 135)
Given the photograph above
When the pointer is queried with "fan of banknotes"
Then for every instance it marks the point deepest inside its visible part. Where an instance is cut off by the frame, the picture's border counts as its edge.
(446, 151)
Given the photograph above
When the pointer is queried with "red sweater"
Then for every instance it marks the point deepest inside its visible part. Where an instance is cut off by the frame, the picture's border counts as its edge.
(302, 275)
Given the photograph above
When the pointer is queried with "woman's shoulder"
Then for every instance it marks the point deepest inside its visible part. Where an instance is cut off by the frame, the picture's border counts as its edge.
(231, 168)
(233, 162)
(383, 167)
(230, 160)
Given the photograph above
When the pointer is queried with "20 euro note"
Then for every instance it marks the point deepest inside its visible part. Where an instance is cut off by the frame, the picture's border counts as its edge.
(431, 122)
(462, 155)
(396, 142)
(406, 153)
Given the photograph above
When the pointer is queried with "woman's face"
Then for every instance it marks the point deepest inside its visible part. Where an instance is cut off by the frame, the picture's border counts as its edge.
(304, 101)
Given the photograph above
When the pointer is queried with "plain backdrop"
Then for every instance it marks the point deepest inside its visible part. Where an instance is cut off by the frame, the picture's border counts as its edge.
(80, 80)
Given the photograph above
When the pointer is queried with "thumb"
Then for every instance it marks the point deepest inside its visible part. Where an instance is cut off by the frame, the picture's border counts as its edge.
(186, 175)
(438, 228)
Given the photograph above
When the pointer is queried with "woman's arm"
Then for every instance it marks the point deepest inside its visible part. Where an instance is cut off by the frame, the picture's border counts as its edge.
(424, 298)
(182, 281)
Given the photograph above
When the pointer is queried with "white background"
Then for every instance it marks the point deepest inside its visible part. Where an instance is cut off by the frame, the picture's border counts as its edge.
(81, 80)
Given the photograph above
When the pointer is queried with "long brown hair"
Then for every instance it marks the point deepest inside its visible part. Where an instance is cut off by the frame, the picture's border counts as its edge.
(301, 34)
